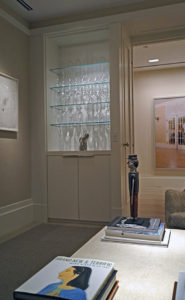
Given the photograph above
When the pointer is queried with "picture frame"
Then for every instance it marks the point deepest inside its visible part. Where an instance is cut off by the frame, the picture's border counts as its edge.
(169, 120)
(8, 103)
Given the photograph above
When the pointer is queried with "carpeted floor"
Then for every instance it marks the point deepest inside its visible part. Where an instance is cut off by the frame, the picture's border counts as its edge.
(27, 253)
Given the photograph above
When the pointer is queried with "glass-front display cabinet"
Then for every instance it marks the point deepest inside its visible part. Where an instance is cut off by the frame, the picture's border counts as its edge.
(78, 92)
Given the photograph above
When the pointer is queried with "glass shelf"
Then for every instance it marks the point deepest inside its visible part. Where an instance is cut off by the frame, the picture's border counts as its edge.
(60, 106)
(78, 84)
(81, 123)
(58, 70)
(80, 105)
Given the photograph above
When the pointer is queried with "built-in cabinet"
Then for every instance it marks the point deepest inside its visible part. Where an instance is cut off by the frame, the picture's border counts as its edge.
(79, 187)
(62, 187)
(78, 126)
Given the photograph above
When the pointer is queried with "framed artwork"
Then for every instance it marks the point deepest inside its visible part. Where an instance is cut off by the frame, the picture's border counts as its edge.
(8, 103)
(169, 118)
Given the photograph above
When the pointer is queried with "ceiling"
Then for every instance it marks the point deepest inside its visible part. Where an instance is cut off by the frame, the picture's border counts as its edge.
(50, 9)
(169, 53)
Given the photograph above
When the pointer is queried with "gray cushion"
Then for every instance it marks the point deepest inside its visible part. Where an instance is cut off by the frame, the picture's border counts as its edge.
(175, 208)
(177, 220)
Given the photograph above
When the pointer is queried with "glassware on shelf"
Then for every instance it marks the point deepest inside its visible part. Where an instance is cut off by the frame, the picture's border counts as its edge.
(83, 73)
(81, 104)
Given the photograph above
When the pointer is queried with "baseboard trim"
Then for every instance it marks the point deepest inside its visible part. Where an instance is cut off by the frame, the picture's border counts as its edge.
(4, 210)
(79, 223)
(16, 217)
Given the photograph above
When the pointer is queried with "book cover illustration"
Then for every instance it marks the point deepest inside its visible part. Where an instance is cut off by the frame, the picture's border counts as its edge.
(69, 278)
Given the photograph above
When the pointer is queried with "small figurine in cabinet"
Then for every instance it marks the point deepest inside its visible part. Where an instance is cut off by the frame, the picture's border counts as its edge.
(83, 142)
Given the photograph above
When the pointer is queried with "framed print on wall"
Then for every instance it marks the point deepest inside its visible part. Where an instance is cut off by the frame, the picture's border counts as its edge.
(8, 103)
(169, 116)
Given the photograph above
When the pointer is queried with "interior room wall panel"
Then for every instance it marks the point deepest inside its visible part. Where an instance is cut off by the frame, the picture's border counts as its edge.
(15, 147)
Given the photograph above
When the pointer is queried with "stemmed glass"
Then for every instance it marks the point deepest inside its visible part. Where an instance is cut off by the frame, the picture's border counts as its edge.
(96, 137)
(107, 137)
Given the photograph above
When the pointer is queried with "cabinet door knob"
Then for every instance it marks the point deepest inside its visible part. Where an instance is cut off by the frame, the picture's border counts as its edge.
(125, 144)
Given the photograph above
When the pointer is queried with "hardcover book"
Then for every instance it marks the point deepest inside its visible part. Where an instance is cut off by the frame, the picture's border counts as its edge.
(69, 278)
(127, 224)
(113, 291)
(137, 234)
(108, 288)
(163, 242)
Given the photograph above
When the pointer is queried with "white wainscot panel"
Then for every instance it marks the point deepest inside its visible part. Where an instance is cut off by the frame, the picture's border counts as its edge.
(16, 217)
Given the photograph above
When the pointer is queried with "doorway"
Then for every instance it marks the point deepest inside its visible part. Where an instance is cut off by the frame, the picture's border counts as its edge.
(159, 74)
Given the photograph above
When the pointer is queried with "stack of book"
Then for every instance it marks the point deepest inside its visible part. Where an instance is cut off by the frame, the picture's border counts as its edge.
(139, 231)
(71, 278)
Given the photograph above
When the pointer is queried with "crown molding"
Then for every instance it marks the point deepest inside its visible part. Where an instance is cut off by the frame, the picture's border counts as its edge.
(151, 36)
(14, 22)
(108, 11)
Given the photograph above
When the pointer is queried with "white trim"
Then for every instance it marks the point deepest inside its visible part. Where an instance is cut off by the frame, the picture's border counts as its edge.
(15, 206)
(14, 22)
(152, 36)
(16, 217)
(77, 26)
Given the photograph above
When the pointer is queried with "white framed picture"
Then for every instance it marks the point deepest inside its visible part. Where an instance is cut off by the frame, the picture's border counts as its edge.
(8, 103)
(169, 114)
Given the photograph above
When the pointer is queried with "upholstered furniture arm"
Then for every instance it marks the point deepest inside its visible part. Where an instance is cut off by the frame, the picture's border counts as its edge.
(174, 203)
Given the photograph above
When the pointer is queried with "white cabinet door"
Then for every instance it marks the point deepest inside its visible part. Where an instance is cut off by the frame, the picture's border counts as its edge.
(94, 188)
(63, 187)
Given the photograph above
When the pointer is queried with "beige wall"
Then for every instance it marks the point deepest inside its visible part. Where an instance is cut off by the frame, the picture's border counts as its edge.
(15, 148)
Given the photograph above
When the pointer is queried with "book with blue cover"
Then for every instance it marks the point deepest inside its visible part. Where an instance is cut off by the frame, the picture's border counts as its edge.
(69, 278)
